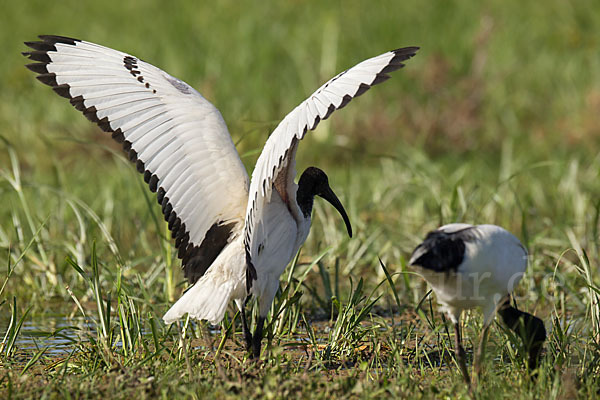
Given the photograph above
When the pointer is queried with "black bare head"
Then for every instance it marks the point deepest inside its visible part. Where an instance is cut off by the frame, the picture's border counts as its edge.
(313, 182)
(442, 251)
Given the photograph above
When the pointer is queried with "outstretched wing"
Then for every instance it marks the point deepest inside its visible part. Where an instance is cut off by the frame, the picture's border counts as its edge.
(279, 151)
(176, 138)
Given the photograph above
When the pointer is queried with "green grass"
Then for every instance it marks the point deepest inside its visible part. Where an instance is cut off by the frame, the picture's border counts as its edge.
(496, 120)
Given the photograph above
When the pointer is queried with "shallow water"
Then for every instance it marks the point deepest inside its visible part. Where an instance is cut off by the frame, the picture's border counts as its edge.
(59, 334)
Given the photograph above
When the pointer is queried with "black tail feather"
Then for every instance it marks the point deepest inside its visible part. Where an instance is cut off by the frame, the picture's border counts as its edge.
(529, 328)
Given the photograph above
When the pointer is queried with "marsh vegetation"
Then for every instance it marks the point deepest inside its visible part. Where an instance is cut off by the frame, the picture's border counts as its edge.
(496, 120)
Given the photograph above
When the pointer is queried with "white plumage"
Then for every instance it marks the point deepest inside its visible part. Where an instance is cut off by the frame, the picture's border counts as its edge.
(235, 238)
(471, 266)
(493, 262)
(208, 298)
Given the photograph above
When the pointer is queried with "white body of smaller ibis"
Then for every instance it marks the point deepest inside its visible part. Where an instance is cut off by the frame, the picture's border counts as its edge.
(470, 266)
(235, 236)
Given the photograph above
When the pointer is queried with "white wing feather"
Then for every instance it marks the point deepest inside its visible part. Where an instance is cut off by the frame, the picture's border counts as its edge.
(174, 135)
(276, 154)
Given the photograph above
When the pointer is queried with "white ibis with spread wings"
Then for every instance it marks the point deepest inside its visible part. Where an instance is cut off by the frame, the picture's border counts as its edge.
(234, 237)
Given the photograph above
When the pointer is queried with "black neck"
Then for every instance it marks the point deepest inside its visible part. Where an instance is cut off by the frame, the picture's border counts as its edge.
(529, 328)
(305, 200)
(307, 189)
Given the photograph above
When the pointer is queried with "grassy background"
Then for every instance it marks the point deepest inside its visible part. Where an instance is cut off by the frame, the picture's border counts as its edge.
(496, 120)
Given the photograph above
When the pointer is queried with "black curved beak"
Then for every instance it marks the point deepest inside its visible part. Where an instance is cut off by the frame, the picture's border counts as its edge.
(328, 195)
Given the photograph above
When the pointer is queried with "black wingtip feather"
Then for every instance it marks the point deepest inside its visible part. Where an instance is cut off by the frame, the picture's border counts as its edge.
(133, 156)
(36, 55)
(118, 136)
(165, 200)
(314, 125)
(407, 51)
(48, 79)
(175, 228)
(52, 39)
(183, 246)
(330, 111)
(104, 124)
(361, 89)
(391, 68)
(345, 100)
(380, 78)
(38, 68)
(182, 238)
(41, 46)
(62, 90)
(166, 209)
(78, 103)
(139, 165)
(90, 113)
(180, 234)
(153, 182)
(172, 218)
(160, 194)
(403, 54)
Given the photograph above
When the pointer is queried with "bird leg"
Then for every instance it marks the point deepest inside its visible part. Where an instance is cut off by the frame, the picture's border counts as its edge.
(247, 334)
(256, 340)
(479, 355)
(460, 354)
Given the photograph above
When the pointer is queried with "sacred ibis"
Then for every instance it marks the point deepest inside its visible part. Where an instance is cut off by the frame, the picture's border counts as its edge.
(472, 266)
(234, 236)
